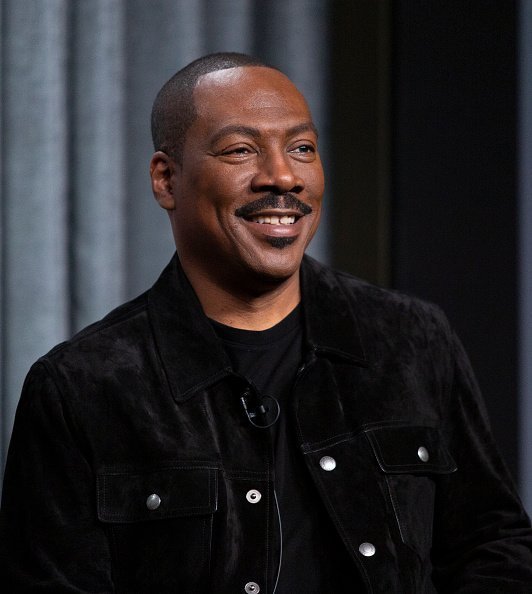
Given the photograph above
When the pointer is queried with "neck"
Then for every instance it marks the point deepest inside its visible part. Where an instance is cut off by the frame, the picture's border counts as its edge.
(245, 309)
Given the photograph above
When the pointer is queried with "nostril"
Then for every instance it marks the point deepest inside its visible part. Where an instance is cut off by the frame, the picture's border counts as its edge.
(277, 184)
(276, 175)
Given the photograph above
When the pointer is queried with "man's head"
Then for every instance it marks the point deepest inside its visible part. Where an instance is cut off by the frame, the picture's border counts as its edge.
(174, 111)
(240, 175)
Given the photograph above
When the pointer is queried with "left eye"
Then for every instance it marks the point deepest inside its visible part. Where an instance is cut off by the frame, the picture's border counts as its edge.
(304, 149)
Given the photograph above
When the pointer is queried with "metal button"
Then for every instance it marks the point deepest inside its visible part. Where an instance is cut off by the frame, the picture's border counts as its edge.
(252, 588)
(328, 463)
(253, 496)
(367, 549)
(153, 501)
(423, 454)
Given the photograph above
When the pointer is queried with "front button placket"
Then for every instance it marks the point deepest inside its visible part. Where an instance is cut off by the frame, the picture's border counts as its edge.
(367, 549)
(153, 502)
(423, 454)
(254, 504)
(253, 496)
(328, 463)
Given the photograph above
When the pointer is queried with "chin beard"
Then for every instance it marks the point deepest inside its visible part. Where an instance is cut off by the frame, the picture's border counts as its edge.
(280, 242)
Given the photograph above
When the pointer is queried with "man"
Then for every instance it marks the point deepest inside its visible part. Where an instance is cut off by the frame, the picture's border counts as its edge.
(256, 422)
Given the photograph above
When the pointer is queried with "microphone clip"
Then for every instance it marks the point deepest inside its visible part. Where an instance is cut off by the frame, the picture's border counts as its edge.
(264, 414)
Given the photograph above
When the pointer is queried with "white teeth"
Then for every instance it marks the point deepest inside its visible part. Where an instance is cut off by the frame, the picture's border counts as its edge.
(275, 220)
(287, 220)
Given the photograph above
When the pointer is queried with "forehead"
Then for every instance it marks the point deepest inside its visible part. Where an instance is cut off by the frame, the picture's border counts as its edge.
(251, 93)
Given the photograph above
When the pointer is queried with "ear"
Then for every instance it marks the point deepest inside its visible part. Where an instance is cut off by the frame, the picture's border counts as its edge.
(163, 179)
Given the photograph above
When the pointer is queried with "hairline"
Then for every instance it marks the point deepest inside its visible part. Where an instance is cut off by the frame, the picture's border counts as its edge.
(202, 76)
(175, 110)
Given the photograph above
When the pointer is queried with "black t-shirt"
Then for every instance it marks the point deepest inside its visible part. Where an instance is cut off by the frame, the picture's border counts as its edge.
(314, 560)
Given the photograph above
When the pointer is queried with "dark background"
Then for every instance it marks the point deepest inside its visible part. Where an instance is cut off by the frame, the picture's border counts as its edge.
(443, 106)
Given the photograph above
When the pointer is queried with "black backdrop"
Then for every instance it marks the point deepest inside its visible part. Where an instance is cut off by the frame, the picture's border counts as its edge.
(425, 186)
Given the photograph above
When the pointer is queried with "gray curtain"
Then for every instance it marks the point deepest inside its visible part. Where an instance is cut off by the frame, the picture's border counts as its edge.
(80, 232)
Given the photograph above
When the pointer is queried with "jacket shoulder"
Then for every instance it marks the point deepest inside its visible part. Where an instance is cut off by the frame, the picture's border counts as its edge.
(374, 304)
(99, 339)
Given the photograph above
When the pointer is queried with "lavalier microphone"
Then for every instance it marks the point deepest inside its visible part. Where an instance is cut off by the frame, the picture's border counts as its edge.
(264, 412)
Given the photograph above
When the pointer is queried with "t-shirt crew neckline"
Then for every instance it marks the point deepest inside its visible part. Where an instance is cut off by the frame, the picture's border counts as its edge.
(259, 338)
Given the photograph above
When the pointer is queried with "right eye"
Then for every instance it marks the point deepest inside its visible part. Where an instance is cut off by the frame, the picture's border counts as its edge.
(237, 150)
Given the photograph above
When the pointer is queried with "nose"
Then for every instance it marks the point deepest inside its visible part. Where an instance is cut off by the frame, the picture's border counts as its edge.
(276, 173)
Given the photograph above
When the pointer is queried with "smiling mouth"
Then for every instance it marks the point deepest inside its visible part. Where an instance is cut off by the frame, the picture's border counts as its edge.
(273, 209)
(273, 219)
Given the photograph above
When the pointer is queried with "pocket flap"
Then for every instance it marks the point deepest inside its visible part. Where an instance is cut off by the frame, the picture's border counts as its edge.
(410, 449)
(174, 491)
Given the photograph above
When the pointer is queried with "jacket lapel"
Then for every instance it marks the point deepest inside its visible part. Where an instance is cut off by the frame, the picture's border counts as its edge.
(331, 326)
(192, 355)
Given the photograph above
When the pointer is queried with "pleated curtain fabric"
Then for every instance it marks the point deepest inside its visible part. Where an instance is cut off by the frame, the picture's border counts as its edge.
(80, 232)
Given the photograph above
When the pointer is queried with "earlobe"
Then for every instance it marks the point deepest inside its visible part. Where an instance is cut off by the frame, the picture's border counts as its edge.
(162, 170)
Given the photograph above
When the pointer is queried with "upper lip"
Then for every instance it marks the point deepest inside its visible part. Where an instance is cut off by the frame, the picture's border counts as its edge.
(274, 205)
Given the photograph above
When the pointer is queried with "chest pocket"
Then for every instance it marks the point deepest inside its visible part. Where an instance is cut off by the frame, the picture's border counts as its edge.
(160, 524)
(411, 459)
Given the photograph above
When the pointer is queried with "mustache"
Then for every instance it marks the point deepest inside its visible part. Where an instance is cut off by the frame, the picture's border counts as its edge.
(272, 200)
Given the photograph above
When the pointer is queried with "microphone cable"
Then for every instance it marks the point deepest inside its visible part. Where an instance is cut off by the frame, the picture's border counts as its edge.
(254, 413)
(280, 540)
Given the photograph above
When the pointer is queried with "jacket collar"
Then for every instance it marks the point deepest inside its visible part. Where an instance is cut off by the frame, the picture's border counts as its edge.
(192, 355)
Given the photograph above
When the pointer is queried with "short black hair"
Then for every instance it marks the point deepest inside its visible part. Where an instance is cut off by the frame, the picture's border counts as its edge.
(174, 111)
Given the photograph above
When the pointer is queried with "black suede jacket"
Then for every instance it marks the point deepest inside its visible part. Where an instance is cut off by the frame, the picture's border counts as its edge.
(145, 403)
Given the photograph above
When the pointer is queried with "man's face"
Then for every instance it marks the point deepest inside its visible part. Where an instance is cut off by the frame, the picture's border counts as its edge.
(247, 196)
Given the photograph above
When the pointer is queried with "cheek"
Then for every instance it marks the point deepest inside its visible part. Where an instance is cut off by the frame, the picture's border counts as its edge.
(316, 198)
(234, 185)
(223, 191)
(314, 181)
(320, 181)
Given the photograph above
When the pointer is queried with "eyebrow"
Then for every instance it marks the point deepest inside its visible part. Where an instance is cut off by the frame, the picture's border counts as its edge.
(255, 132)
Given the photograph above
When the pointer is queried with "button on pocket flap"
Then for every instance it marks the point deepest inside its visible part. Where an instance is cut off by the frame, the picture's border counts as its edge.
(410, 449)
(135, 495)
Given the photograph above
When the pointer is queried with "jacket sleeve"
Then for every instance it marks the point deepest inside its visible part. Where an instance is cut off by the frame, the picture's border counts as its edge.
(50, 539)
(482, 536)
